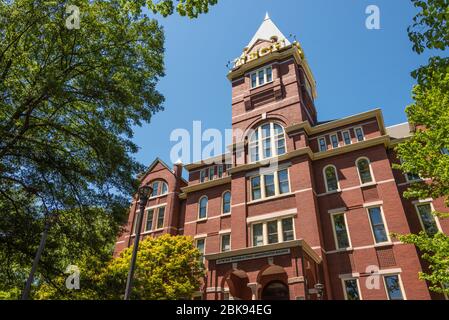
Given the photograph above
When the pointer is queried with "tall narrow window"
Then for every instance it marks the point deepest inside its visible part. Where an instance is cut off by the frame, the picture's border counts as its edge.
(287, 230)
(377, 225)
(427, 219)
(149, 224)
(211, 173)
(340, 231)
(359, 134)
(347, 137)
(270, 189)
(253, 80)
(220, 171)
(258, 235)
(322, 143)
(201, 245)
(331, 180)
(160, 218)
(267, 141)
(334, 140)
(226, 202)
(351, 288)
(269, 72)
(255, 188)
(202, 212)
(155, 187)
(284, 185)
(203, 175)
(272, 232)
(363, 166)
(164, 188)
(393, 287)
(225, 243)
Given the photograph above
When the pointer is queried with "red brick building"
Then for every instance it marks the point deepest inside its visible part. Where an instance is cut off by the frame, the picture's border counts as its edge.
(296, 202)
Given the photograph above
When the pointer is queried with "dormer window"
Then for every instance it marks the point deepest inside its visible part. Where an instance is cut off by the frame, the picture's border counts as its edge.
(261, 77)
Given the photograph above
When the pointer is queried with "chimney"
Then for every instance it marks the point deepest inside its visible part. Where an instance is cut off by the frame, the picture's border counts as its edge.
(177, 169)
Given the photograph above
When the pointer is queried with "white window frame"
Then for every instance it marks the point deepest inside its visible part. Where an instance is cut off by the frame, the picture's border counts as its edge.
(260, 139)
(325, 179)
(157, 189)
(325, 143)
(222, 204)
(205, 174)
(432, 208)
(338, 140)
(343, 137)
(363, 133)
(382, 214)
(276, 185)
(152, 219)
(205, 243)
(337, 247)
(221, 242)
(199, 208)
(370, 169)
(256, 72)
(401, 285)
(163, 218)
(343, 279)
(280, 230)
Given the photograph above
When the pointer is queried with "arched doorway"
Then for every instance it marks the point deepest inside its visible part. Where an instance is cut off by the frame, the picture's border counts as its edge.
(275, 290)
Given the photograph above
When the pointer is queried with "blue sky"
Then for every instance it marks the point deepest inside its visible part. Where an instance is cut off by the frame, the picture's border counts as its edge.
(356, 69)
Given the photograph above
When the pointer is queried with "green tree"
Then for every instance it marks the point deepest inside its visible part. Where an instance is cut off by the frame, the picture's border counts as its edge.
(426, 153)
(69, 99)
(167, 268)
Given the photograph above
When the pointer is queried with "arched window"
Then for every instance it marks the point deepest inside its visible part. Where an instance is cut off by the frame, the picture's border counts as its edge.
(268, 140)
(364, 169)
(202, 210)
(331, 178)
(226, 202)
(159, 188)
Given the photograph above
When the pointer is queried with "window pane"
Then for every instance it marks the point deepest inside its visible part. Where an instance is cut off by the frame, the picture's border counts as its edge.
(272, 232)
(340, 231)
(211, 173)
(257, 235)
(253, 80)
(203, 208)
(226, 243)
(323, 146)
(347, 137)
(269, 185)
(149, 224)
(280, 145)
(254, 151)
(201, 244)
(261, 77)
(393, 288)
(202, 175)
(428, 220)
(359, 134)
(160, 218)
(364, 171)
(331, 179)
(155, 189)
(283, 181)
(267, 148)
(287, 230)
(377, 224)
(220, 171)
(334, 140)
(269, 74)
(226, 202)
(164, 188)
(255, 188)
(352, 290)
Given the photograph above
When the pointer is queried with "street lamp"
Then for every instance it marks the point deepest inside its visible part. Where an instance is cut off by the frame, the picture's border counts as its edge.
(319, 287)
(144, 194)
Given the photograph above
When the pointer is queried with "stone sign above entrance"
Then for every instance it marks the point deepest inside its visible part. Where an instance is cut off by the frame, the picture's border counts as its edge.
(254, 256)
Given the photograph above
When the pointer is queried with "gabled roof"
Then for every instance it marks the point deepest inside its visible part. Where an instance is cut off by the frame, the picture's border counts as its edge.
(153, 164)
(266, 30)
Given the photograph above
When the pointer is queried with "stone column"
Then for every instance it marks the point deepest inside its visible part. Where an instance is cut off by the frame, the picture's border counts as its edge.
(254, 286)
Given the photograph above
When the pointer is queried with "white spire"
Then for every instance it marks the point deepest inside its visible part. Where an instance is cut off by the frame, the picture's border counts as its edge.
(266, 30)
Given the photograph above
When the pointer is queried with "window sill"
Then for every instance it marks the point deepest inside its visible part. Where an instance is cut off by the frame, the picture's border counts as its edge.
(157, 197)
(349, 249)
(383, 244)
(271, 198)
(224, 215)
(370, 184)
(201, 220)
(261, 85)
(332, 192)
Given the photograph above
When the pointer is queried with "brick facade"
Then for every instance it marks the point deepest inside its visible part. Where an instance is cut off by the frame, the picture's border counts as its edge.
(291, 269)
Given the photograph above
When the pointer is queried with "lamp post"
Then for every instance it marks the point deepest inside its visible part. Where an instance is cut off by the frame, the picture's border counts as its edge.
(319, 287)
(144, 194)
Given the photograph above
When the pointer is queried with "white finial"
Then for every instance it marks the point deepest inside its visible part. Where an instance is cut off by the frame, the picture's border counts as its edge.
(267, 16)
